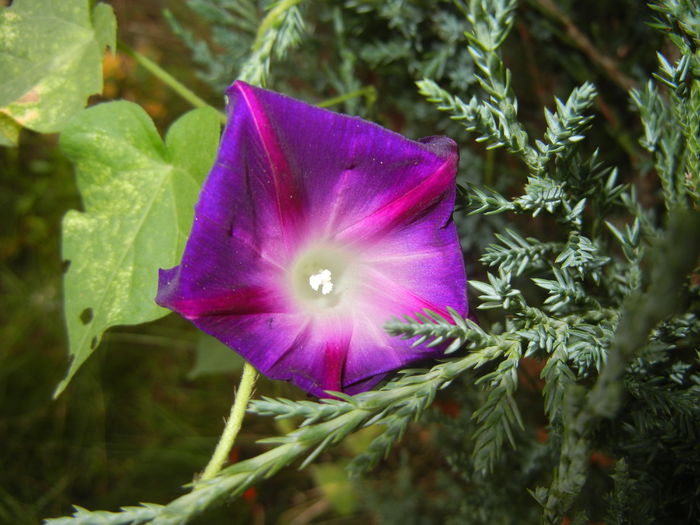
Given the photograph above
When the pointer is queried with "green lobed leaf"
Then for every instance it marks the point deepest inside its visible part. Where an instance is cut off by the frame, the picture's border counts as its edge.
(138, 194)
(51, 59)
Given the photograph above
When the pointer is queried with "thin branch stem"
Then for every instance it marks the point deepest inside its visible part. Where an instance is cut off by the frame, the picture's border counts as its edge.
(233, 425)
(369, 92)
(583, 43)
(160, 73)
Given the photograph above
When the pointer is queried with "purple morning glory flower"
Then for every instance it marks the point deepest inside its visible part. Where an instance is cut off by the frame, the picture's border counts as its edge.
(312, 230)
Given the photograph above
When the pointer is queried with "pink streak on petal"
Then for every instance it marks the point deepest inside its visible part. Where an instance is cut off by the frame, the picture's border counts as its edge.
(246, 301)
(289, 207)
(335, 354)
(378, 258)
(317, 364)
(404, 208)
(434, 271)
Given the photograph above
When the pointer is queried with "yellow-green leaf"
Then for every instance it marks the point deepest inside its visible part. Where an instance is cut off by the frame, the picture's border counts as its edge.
(51, 59)
(138, 197)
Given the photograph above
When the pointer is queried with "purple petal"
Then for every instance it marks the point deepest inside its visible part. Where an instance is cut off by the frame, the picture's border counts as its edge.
(220, 271)
(264, 340)
(251, 190)
(352, 174)
(428, 190)
(318, 363)
(422, 258)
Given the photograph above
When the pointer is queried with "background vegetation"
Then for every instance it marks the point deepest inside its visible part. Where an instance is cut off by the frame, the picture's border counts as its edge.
(144, 413)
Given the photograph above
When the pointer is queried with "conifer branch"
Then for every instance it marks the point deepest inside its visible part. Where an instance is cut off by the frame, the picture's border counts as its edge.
(566, 125)
(673, 258)
(517, 254)
(400, 402)
(282, 28)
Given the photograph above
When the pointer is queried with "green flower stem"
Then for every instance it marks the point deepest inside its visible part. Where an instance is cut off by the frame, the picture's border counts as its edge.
(167, 79)
(233, 425)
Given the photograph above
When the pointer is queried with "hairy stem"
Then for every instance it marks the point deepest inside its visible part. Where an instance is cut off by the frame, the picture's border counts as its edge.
(233, 425)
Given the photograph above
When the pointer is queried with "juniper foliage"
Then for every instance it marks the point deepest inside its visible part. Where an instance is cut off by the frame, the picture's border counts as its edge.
(602, 303)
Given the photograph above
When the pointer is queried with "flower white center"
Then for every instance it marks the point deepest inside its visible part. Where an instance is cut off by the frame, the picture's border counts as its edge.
(322, 280)
(321, 277)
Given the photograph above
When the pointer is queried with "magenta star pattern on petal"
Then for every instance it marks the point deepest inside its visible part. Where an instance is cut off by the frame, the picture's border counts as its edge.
(312, 230)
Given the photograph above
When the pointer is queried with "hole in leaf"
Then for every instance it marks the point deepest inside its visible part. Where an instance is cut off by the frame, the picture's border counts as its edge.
(65, 265)
(86, 316)
(93, 343)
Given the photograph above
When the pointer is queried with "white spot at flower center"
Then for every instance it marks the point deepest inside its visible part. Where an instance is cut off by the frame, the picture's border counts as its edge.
(322, 280)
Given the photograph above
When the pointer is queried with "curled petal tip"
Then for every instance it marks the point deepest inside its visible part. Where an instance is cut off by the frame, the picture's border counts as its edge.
(442, 146)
